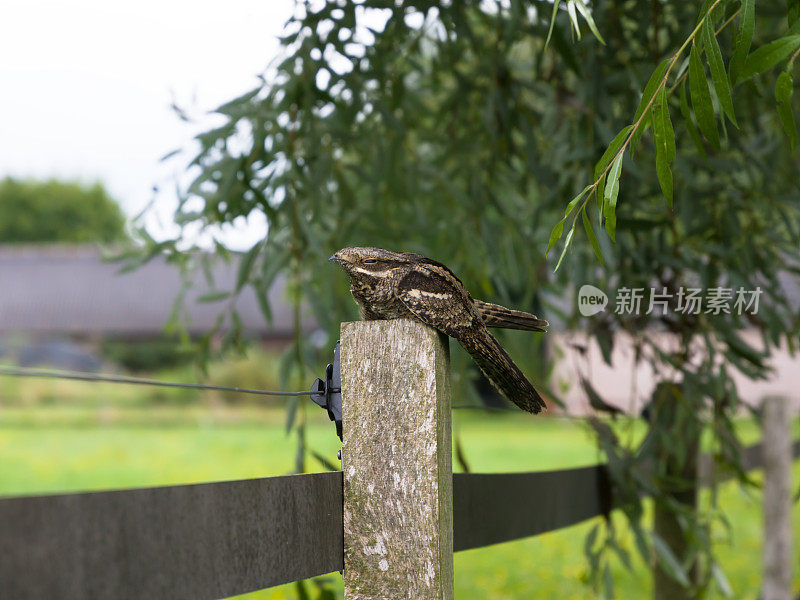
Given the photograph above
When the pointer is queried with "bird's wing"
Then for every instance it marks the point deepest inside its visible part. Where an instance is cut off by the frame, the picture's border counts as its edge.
(436, 300)
(495, 315)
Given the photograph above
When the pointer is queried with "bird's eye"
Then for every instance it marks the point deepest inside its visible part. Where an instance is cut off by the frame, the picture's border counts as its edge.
(370, 261)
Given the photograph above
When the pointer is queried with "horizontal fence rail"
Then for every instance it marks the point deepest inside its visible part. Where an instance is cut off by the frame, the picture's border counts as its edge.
(499, 507)
(216, 540)
(204, 541)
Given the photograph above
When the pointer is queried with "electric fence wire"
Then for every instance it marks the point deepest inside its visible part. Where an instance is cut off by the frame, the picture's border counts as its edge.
(13, 371)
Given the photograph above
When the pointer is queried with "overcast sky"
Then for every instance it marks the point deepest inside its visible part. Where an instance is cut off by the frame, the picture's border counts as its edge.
(86, 86)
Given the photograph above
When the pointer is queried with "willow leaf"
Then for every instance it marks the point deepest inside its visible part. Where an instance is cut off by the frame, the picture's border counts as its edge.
(555, 235)
(246, 265)
(769, 55)
(574, 202)
(612, 184)
(587, 15)
(718, 76)
(567, 243)
(786, 117)
(784, 87)
(611, 151)
(556, 4)
(744, 37)
(664, 178)
(573, 17)
(689, 122)
(592, 239)
(649, 90)
(664, 137)
(701, 99)
(610, 215)
(668, 560)
(663, 132)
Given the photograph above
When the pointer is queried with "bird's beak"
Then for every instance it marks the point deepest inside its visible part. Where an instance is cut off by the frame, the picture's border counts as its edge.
(336, 258)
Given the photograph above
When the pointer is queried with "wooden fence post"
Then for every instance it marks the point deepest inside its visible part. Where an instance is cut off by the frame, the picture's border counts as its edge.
(777, 457)
(396, 458)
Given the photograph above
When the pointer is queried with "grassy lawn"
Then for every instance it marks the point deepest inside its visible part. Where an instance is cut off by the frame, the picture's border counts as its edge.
(66, 448)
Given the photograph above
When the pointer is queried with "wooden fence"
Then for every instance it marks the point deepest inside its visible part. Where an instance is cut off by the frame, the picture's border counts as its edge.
(391, 518)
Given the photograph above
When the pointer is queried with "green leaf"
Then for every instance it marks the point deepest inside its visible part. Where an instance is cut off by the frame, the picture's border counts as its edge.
(612, 149)
(718, 76)
(784, 87)
(722, 582)
(664, 137)
(786, 117)
(555, 235)
(649, 90)
(213, 297)
(573, 17)
(668, 561)
(327, 464)
(599, 193)
(612, 184)
(770, 55)
(663, 132)
(587, 15)
(701, 99)
(291, 413)
(744, 37)
(794, 28)
(263, 301)
(641, 543)
(664, 177)
(246, 265)
(610, 197)
(590, 539)
(574, 202)
(608, 582)
(689, 122)
(556, 4)
(703, 14)
(592, 239)
(610, 214)
(567, 242)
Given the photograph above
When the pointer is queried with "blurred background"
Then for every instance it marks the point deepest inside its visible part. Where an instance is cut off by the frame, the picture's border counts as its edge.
(173, 177)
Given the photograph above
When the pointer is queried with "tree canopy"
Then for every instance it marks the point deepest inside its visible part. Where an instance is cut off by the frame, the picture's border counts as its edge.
(58, 211)
(462, 130)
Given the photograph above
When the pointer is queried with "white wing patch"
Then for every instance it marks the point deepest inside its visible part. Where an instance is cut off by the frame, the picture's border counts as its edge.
(373, 273)
(415, 293)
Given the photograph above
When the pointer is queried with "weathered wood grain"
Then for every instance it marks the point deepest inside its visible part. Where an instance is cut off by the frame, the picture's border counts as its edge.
(396, 458)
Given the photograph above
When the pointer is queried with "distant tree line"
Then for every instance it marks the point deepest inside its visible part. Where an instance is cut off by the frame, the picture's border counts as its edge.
(58, 211)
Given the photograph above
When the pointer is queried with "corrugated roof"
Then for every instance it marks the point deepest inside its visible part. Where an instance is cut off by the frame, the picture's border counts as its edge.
(72, 290)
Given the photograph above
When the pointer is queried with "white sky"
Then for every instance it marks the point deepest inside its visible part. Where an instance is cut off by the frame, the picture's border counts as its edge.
(86, 87)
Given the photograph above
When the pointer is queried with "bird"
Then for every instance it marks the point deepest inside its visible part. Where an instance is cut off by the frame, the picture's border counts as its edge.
(406, 285)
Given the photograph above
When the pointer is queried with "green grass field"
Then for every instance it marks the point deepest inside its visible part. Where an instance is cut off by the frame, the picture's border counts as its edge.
(61, 448)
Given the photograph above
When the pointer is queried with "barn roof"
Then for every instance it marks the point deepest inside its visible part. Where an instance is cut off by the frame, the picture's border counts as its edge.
(60, 289)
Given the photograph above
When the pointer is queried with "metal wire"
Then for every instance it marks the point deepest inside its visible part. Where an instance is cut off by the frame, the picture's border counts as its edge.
(123, 379)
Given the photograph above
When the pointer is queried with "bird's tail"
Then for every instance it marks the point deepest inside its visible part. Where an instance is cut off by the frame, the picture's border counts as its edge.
(495, 315)
(497, 365)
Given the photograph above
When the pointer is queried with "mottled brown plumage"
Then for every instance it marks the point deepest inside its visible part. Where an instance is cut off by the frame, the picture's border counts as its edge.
(396, 285)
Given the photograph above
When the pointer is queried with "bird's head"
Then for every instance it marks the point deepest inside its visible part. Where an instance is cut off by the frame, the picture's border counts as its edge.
(367, 262)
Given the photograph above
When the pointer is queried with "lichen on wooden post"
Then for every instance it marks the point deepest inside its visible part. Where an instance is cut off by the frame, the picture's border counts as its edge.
(396, 458)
